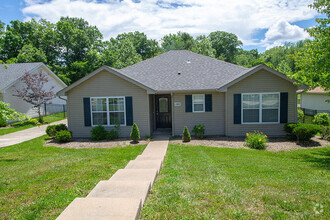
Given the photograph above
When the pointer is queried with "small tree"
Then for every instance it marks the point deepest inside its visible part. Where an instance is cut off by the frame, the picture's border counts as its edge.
(135, 133)
(186, 135)
(7, 113)
(32, 91)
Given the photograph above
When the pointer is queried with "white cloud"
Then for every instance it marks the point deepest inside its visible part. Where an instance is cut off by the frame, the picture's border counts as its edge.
(157, 18)
(283, 31)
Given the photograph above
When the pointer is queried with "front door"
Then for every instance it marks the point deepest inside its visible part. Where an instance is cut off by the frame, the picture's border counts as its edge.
(163, 111)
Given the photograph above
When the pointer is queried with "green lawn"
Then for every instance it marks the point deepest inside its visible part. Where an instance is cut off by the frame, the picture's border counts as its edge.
(39, 182)
(219, 183)
(18, 126)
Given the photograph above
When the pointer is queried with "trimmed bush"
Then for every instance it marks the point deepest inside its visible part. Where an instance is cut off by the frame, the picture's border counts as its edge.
(186, 135)
(304, 132)
(51, 130)
(256, 140)
(288, 128)
(99, 133)
(113, 134)
(322, 119)
(325, 132)
(199, 131)
(135, 133)
(301, 116)
(63, 136)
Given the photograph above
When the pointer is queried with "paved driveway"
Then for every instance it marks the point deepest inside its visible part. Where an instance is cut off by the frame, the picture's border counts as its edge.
(25, 135)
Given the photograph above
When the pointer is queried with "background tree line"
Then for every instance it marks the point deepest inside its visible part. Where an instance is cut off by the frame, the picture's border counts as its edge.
(72, 48)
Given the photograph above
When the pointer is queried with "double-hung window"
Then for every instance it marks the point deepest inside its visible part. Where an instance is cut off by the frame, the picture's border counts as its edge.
(260, 107)
(108, 111)
(198, 102)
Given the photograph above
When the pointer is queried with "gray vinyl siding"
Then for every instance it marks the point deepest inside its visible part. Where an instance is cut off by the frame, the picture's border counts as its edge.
(106, 84)
(262, 81)
(214, 121)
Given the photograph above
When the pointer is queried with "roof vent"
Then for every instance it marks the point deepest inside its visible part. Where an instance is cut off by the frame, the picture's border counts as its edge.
(188, 61)
(179, 73)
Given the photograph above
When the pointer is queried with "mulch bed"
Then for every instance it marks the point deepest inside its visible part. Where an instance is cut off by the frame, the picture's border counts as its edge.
(275, 144)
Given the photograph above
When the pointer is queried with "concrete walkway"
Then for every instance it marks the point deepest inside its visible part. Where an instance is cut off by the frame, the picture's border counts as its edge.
(25, 135)
(123, 195)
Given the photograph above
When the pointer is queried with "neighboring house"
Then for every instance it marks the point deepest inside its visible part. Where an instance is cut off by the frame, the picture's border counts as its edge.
(10, 75)
(182, 88)
(315, 101)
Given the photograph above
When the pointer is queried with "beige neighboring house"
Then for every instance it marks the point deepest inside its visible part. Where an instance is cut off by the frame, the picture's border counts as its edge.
(10, 75)
(315, 100)
(181, 88)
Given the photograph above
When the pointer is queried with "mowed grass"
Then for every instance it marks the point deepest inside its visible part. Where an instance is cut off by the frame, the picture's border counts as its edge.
(18, 126)
(40, 182)
(218, 183)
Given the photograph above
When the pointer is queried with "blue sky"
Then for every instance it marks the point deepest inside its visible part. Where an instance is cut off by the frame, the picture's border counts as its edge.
(259, 24)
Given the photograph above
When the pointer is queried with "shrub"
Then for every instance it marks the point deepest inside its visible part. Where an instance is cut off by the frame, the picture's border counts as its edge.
(304, 132)
(63, 136)
(51, 130)
(34, 121)
(186, 135)
(135, 133)
(288, 128)
(256, 140)
(99, 133)
(3, 122)
(325, 132)
(199, 131)
(113, 134)
(301, 116)
(322, 119)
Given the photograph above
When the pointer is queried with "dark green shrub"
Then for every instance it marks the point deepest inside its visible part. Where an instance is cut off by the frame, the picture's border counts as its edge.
(63, 136)
(325, 132)
(99, 133)
(51, 130)
(113, 134)
(186, 135)
(301, 116)
(304, 132)
(322, 119)
(256, 140)
(288, 128)
(199, 131)
(135, 133)
(3, 122)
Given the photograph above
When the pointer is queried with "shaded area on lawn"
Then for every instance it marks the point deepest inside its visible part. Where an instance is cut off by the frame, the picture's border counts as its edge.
(39, 182)
(18, 126)
(199, 182)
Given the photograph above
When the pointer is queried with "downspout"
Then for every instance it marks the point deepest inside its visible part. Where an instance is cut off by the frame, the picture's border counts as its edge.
(172, 103)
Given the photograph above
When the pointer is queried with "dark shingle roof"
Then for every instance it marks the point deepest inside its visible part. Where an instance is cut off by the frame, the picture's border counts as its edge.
(11, 72)
(197, 72)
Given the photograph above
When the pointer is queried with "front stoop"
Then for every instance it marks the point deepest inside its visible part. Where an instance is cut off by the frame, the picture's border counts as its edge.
(123, 195)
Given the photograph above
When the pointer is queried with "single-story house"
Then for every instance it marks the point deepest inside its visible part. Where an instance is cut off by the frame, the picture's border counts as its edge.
(181, 88)
(315, 101)
(10, 79)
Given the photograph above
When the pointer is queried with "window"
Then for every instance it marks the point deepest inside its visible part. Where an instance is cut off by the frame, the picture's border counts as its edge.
(163, 105)
(260, 107)
(108, 110)
(198, 101)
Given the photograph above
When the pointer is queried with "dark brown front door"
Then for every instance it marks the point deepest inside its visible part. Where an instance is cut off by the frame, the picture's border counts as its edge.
(163, 111)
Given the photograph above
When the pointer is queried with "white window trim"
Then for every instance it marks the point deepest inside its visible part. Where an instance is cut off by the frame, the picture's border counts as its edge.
(260, 108)
(107, 111)
(193, 106)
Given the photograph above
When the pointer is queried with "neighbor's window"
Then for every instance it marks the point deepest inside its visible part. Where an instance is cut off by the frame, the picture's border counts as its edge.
(108, 110)
(198, 101)
(260, 107)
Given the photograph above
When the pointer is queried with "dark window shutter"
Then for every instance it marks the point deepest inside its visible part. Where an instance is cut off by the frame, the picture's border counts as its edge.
(87, 111)
(284, 107)
(208, 102)
(129, 110)
(237, 109)
(188, 103)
